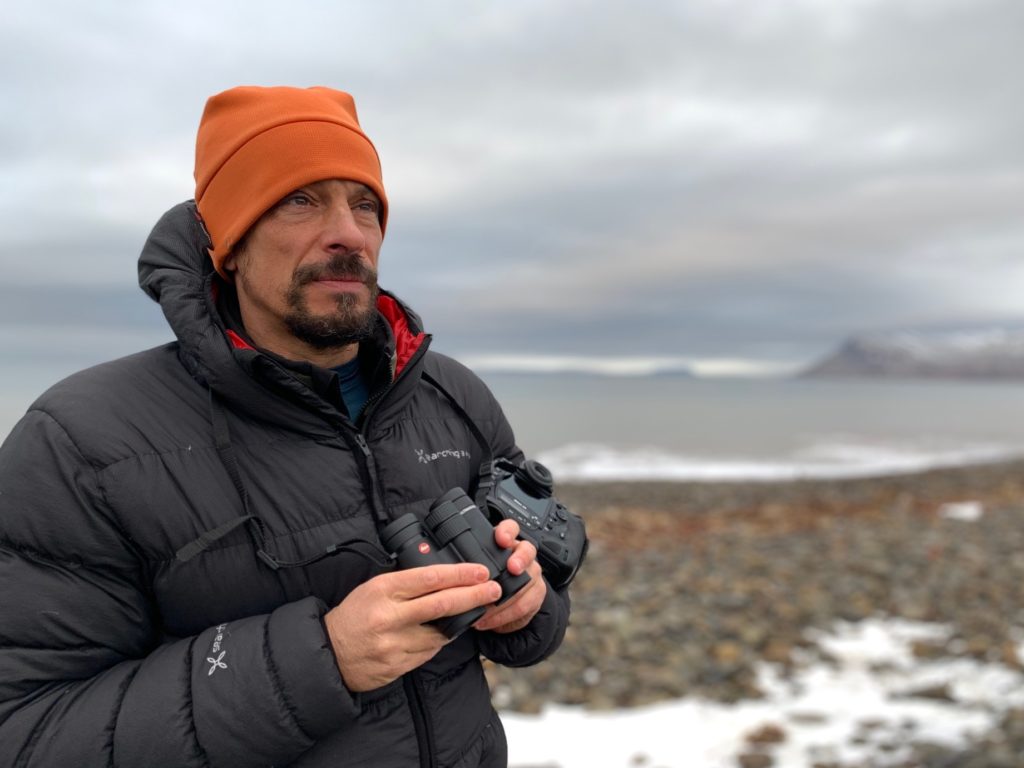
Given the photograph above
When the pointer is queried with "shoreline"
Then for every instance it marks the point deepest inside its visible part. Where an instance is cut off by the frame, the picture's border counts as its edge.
(669, 494)
(580, 465)
(690, 586)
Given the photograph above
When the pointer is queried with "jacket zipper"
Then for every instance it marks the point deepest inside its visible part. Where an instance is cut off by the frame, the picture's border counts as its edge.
(373, 479)
(420, 720)
(411, 683)
(370, 478)
(377, 397)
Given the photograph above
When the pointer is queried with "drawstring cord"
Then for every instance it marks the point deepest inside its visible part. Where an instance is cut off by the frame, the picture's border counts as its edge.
(257, 530)
(485, 474)
(255, 527)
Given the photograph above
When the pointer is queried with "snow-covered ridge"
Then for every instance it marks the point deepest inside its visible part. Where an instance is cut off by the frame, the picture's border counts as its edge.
(996, 353)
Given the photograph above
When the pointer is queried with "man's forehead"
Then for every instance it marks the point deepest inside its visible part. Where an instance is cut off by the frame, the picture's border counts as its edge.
(352, 187)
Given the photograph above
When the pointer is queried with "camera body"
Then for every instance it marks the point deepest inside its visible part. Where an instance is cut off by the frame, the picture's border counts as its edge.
(524, 493)
(454, 531)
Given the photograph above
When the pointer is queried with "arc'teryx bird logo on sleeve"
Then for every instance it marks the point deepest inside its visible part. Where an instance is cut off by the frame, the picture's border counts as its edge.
(218, 661)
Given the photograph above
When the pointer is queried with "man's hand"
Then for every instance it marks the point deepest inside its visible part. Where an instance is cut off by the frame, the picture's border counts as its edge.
(516, 612)
(378, 631)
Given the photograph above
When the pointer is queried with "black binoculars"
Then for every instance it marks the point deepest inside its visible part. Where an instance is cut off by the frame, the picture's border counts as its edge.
(454, 531)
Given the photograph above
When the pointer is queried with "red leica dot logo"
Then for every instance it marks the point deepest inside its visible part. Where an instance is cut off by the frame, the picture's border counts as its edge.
(424, 547)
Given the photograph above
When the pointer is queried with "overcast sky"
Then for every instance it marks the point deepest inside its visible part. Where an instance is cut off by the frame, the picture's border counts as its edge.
(709, 179)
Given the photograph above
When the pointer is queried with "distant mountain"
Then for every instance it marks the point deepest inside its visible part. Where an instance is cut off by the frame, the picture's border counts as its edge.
(994, 353)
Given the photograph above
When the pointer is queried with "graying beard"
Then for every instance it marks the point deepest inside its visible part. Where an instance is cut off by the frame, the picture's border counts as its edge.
(335, 330)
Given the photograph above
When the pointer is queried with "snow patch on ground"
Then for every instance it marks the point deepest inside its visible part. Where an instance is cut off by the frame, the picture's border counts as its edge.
(861, 700)
(967, 511)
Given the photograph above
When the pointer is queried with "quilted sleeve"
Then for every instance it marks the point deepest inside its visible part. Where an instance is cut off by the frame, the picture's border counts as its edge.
(84, 677)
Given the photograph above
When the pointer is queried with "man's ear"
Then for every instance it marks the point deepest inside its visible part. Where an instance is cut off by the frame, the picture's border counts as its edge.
(229, 266)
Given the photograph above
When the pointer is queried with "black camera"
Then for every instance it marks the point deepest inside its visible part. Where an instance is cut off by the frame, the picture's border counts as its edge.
(524, 493)
(454, 531)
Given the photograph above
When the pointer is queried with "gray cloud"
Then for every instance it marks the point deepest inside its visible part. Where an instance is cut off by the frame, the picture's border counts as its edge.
(695, 179)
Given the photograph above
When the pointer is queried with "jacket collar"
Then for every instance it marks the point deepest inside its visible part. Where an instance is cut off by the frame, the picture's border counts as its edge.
(175, 270)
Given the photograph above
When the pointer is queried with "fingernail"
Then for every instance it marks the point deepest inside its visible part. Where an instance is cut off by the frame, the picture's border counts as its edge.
(495, 590)
(514, 563)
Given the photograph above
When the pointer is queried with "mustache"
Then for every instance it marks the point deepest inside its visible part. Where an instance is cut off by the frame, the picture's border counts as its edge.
(341, 266)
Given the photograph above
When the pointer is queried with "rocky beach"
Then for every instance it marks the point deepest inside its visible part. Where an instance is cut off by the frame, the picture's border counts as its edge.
(691, 588)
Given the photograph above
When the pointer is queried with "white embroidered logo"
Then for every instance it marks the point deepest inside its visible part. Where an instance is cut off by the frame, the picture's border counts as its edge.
(218, 662)
(449, 453)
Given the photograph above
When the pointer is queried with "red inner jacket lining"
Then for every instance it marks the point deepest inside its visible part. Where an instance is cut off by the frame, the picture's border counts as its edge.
(406, 343)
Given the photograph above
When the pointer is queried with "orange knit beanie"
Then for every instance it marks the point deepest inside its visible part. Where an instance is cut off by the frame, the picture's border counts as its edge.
(255, 145)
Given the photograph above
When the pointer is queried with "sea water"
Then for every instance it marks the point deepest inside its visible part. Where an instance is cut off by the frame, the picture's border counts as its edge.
(665, 427)
(678, 428)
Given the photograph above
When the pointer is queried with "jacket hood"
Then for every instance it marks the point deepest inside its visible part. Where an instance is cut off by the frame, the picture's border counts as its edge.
(176, 272)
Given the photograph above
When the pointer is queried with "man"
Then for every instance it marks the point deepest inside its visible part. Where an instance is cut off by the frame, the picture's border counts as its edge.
(166, 592)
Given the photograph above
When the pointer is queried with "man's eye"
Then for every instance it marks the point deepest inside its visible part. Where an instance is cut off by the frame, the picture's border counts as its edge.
(297, 199)
(367, 205)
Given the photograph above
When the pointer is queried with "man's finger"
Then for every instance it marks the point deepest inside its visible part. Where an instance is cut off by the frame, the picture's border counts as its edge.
(523, 605)
(424, 640)
(519, 615)
(521, 557)
(505, 533)
(449, 602)
(415, 582)
(526, 601)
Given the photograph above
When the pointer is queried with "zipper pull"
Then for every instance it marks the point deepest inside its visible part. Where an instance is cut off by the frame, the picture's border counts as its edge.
(361, 442)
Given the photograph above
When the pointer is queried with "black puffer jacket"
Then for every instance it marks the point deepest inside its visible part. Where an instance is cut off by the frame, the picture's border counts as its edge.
(113, 652)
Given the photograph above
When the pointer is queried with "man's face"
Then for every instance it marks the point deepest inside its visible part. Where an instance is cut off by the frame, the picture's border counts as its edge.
(308, 267)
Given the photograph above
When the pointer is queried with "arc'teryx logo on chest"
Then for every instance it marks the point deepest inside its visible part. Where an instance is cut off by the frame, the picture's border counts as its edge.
(448, 453)
(217, 662)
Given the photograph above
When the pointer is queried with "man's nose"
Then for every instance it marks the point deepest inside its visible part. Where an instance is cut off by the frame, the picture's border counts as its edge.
(343, 232)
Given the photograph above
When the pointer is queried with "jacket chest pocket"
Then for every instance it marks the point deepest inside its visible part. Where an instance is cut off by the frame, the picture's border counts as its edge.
(422, 463)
